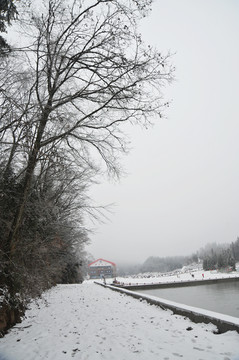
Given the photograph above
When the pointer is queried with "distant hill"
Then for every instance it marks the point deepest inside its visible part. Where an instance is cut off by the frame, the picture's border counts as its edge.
(212, 256)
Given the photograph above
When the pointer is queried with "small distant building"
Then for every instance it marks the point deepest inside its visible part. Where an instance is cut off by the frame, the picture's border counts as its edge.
(100, 267)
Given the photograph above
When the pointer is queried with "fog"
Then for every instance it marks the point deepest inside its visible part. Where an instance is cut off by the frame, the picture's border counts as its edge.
(180, 188)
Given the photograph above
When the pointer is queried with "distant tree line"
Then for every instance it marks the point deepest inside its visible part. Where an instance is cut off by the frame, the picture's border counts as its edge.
(224, 257)
(213, 257)
(166, 264)
(235, 249)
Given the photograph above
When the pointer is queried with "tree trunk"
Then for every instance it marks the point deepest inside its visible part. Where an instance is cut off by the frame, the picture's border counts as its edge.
(32, 161)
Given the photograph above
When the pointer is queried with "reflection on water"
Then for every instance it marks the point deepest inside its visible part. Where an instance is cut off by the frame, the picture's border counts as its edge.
(221, 297)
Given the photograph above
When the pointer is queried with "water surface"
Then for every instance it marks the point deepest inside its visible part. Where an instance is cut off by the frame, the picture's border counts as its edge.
(221, 297)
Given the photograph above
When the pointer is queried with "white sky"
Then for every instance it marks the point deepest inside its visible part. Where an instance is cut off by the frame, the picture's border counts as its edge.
(182, 187)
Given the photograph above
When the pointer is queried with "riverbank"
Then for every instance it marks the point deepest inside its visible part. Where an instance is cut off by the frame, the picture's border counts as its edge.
(174, 284)
(180, 279)
(223, 322)
(92, 322)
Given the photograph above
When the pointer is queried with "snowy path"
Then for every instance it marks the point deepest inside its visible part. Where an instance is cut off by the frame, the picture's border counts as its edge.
(90, 322)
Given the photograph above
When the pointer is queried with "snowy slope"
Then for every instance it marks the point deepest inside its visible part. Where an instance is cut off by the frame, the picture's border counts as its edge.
(91, 322)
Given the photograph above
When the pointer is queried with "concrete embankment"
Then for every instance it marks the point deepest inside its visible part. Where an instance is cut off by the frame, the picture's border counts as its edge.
(223, 322)
(174, 284)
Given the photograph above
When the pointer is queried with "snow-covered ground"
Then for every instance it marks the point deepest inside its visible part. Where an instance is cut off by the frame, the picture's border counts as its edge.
(154, 278)
(91, 322)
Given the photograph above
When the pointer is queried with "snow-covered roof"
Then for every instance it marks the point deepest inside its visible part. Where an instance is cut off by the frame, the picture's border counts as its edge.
(101, 262)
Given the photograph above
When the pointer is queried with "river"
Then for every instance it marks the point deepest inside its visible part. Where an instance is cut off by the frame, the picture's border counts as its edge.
(222, 297)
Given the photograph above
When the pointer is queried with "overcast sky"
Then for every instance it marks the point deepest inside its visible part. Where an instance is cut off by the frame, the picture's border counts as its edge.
(182, 187)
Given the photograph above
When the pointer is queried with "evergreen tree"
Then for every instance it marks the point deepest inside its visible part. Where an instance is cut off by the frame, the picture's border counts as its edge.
(8, 12)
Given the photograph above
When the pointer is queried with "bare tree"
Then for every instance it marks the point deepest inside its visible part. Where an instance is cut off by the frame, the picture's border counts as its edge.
(65, 96)
(79, 73)
(87, 72)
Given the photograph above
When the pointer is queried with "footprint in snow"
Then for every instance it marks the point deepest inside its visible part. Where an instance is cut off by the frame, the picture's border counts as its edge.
(176, 354)
(196, 348)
